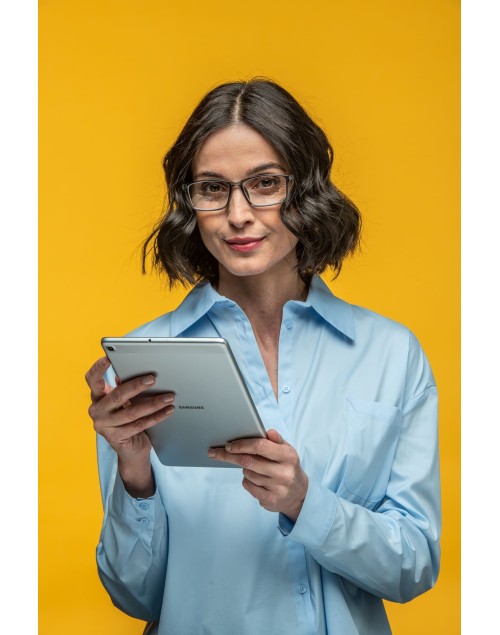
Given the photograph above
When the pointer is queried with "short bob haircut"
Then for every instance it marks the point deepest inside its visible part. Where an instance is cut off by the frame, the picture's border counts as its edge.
(326, 223)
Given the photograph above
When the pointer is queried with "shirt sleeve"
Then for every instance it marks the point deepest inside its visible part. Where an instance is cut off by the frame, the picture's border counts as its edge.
(132, 550)
(392, 550)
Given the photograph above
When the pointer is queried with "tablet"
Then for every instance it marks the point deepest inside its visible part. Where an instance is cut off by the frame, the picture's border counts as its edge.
(212, 402)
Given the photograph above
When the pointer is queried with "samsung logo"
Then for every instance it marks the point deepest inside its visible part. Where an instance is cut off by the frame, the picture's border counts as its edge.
(191, 407)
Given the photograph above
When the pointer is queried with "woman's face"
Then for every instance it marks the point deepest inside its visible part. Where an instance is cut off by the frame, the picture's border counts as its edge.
(245, 240)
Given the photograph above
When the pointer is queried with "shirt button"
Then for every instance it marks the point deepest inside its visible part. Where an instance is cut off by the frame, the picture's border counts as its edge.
(302, 589)
(286, 389)
(143, 521)
(289, 324)
(144, 505)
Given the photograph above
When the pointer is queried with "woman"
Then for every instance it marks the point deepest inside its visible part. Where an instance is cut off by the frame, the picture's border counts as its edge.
(339, 507)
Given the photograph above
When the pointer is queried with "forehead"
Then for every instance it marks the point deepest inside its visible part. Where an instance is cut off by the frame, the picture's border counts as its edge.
(234, 151)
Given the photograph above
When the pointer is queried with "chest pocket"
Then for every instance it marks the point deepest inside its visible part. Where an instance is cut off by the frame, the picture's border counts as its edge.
(372, 435)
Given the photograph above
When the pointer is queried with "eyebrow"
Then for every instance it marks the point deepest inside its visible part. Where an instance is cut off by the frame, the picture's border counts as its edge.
(255, 170)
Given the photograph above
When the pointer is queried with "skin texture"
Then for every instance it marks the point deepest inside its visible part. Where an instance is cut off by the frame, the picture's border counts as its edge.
(123, 424)
(261, 278)
(271, 471)
(233, 154)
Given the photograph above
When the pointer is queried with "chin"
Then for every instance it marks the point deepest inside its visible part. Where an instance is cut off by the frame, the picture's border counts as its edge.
(242, 272)
(247, 268)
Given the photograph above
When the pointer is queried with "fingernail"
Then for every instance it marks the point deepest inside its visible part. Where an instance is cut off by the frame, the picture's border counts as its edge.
(229, 447)
(211, 453)
(167, 398)
(149, 380)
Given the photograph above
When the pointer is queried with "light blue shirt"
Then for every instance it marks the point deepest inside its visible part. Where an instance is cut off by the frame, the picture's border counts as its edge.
(358, 402)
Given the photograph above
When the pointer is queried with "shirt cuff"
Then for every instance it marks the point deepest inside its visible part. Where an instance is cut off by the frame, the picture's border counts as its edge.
(285, 525)
(130, 509)
(315, 519)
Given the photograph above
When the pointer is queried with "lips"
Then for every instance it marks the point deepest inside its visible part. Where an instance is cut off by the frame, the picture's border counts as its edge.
(244, 244)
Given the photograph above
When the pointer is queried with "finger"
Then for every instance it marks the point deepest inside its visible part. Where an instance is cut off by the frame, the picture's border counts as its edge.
(141, 409)
(120, 398)
(219, 454)
(252, 462)
(118, 382)
(274, 436)
(122, 394)
(266, 498)
(95, 378)
(266, 448)
(260, 480)
(121, 433)
(255, 490)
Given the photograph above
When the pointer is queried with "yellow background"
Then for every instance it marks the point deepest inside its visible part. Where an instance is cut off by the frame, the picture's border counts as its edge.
(118, 78)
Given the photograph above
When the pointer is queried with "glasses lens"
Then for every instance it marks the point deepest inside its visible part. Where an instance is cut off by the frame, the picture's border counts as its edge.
(268, 189)
(208, 195)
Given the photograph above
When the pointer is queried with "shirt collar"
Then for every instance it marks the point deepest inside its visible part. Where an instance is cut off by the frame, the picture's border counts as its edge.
(203, 297)
(332, 309)
(195, 305)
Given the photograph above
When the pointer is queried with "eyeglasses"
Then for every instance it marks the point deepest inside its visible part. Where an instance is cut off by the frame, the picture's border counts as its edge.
(262, 190)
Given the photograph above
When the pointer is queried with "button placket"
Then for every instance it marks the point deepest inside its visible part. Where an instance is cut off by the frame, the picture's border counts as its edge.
(238, 332)
(285, 373)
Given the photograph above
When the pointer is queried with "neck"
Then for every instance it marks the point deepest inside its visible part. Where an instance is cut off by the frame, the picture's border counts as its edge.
(262, 296)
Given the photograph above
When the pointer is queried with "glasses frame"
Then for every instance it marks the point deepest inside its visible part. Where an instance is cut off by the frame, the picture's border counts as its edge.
(232, 184)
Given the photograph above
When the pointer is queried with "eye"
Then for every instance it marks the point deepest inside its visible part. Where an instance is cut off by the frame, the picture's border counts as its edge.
(264, 184)
(212, 187)
(267, 185)
(267, 182)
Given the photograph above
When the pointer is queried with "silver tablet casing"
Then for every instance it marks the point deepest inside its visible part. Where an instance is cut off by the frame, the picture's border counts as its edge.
(212, 402)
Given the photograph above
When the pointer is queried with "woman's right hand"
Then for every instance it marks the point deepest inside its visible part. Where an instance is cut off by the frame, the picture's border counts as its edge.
(123, 424)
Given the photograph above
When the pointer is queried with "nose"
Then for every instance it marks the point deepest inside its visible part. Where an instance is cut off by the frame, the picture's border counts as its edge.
(239, 210)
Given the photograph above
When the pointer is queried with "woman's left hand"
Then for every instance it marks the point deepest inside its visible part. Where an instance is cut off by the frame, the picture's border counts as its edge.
(271, 470)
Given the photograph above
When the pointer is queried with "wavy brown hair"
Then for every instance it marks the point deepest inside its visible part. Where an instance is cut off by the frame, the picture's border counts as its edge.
(325, 221)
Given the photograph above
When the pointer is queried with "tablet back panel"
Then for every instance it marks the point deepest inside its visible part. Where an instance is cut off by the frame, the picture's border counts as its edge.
(212, 402)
